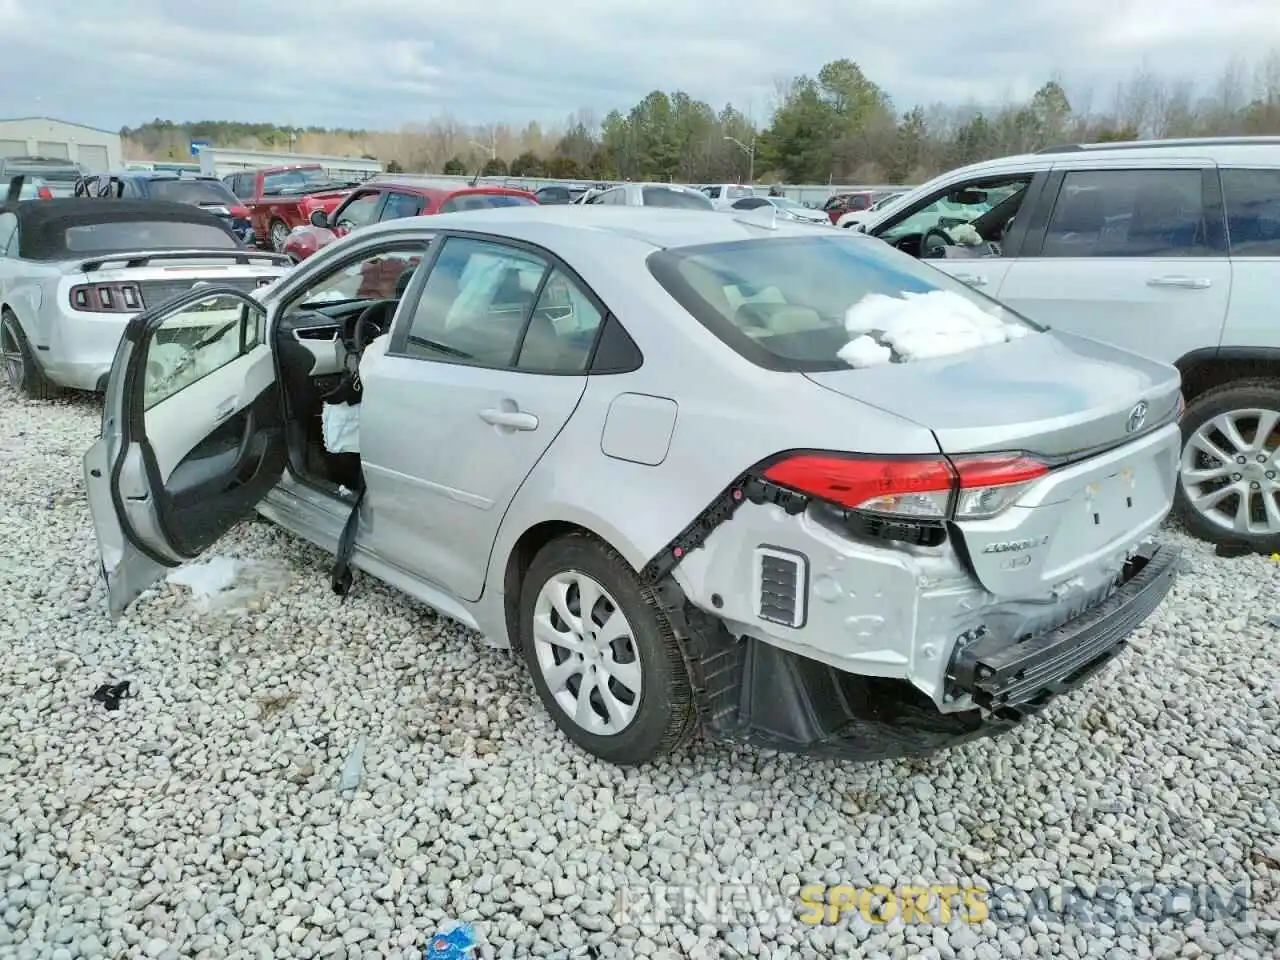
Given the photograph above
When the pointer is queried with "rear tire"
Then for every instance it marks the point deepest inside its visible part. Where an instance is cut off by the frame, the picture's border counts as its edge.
(21, 370)
(615, 682)
(1229, 419)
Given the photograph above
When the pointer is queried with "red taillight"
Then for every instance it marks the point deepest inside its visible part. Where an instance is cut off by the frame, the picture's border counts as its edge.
(241, 212)
(44, 193)
(926, 488)
(107, 298)
(1182, 406)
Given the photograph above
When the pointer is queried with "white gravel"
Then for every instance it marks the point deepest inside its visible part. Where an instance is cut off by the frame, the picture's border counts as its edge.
(205, 816)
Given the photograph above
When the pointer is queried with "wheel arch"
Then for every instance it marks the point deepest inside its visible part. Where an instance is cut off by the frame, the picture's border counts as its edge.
(1213, 367)
(526, 546)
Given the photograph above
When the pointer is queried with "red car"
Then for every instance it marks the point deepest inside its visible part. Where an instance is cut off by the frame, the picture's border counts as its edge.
(391, 197)
(841, 203)
(281, 198)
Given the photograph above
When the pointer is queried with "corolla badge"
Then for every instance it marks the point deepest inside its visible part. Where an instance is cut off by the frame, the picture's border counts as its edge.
(1137, 417)
(1015, 546)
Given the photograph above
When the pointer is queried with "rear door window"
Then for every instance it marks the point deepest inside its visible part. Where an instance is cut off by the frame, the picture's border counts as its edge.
(475, 304)
(1129, 213)
(1252, 199)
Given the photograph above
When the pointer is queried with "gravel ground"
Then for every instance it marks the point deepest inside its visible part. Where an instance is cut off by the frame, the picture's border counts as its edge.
(206, 817)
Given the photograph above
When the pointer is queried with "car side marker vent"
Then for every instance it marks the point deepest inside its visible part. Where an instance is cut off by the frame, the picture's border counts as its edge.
(781, 586)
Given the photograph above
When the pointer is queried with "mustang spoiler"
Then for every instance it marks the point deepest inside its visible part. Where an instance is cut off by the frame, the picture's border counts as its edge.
(143, 259)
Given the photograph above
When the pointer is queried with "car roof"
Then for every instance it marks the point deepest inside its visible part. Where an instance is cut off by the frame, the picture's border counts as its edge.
(436, 189)
(655, 227)
(42, 223)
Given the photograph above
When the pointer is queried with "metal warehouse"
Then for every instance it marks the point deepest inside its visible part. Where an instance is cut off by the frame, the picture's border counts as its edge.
(96, 149)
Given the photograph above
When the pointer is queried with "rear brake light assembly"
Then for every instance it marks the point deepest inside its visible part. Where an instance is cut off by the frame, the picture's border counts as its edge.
(107, 298)
(44, 193)
(241, 213)
(1182, 406)
(898, 496)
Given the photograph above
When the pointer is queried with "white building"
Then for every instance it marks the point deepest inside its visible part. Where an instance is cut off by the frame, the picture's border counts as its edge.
(99, 150)
(220, 161)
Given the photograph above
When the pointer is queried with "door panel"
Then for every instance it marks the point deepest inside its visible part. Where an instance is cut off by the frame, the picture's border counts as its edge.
(1133, 257)
(437, 497)
(192, 436)
(454, 416)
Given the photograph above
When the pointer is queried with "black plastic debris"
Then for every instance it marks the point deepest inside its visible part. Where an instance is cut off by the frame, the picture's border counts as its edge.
(110, 694)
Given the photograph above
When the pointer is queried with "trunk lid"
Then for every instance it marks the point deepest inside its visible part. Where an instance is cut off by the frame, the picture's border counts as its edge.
(1062, 398)
(1051, 394)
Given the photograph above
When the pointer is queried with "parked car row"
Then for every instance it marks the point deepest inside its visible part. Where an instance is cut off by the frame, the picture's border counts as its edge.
(1147, 246)
(984, 399)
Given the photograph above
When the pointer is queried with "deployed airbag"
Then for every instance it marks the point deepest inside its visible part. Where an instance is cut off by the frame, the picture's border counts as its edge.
(341, 426)
(340, 422)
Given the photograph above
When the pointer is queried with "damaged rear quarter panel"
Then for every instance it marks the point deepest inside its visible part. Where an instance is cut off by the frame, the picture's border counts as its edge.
(732, 414)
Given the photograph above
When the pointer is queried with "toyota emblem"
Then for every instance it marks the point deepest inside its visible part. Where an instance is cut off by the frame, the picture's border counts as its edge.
(1137, 417)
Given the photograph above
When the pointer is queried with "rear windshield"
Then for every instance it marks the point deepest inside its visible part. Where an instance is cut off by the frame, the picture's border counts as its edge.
(133, 235)
(191, 191)
(682, 199)
(485, 201)
(781, 302)
(737, 193)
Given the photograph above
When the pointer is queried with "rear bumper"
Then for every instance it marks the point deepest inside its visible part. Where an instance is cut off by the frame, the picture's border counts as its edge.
(751, 691)
(1011, 676)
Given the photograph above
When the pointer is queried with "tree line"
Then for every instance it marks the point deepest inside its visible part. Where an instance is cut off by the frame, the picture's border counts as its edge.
(835, 126)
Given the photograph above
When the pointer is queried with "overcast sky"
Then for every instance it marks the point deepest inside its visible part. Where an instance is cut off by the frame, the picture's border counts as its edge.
(380, 64)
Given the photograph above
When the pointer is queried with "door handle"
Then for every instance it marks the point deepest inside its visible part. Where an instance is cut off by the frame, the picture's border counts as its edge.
(513, 419)
(1188, 283)
(971, 279)
(225, 409)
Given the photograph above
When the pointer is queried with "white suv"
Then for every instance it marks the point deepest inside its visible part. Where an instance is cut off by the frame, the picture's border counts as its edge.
(1170, 248)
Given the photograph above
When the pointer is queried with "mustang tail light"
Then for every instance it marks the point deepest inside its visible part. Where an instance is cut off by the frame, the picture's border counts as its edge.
(240, 212)
(107, 298)
(911, 488)
(44, 193)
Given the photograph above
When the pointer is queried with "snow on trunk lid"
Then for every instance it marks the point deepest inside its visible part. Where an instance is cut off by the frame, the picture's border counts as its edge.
(920, 326)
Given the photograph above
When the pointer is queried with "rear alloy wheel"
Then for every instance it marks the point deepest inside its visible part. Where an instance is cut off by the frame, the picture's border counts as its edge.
(604, 658)
(21, 371)
(1229, 484)
(279, 234)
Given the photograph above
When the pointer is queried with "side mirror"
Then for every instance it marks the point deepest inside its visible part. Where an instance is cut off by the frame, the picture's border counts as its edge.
(319, 218)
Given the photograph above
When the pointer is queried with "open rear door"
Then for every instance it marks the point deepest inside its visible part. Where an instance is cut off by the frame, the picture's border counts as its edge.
(192, 436)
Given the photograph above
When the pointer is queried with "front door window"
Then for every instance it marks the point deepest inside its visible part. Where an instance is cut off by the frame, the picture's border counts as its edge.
(195, 341)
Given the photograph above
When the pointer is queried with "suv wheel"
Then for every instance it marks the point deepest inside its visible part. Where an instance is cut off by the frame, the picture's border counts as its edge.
(1229, 484)
(604, 658)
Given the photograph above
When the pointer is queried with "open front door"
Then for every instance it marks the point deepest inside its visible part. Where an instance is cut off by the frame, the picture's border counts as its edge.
(192, 436)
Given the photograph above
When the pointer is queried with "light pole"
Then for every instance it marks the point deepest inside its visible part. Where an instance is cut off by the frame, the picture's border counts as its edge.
(751, 155)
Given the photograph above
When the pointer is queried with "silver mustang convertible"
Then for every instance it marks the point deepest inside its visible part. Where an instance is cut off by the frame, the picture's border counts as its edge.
(670, 462)
(73, 271)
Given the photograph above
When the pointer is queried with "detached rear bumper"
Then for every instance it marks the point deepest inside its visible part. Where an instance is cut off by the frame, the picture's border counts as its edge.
(1004, 675)
(753, 692)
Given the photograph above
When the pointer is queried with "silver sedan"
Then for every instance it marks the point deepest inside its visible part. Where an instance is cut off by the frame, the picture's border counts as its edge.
(670, 462)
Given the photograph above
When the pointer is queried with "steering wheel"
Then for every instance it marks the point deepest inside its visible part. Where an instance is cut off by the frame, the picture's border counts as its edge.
(942, 238)
(357, 332)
